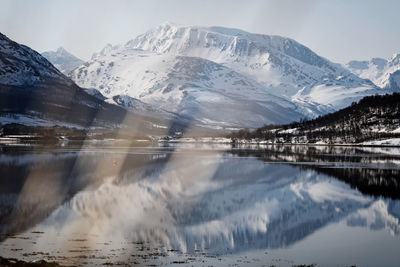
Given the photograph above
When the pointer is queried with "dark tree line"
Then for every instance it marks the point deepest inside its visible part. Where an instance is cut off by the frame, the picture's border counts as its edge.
(371, 118)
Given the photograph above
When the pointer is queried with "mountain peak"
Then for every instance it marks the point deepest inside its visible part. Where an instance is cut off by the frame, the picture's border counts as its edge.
(62, 60)
(106, 49)
(169, 24)
(216, 29)
(395, 59)
(229, 43)
(61, 50)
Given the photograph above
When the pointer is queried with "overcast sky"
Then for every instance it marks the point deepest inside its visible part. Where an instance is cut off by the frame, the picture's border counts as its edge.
(339, 30)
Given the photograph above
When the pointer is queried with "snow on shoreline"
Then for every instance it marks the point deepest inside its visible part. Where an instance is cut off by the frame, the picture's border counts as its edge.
(34, 121)
(220, 140)
(391, 142)
(27, 120)
(384, 142)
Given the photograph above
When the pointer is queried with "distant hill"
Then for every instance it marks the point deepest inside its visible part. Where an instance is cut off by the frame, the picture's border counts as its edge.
(63, 60)
(372, 119)
(385, 73)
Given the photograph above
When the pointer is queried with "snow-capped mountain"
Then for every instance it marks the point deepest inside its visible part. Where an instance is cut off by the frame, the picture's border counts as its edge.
(223, 76)
(384, 73)
(284, 66)
(63, 60)
(21, 66)
(36, 94)
(190, 86)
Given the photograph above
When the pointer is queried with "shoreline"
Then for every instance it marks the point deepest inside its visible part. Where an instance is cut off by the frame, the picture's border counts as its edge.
(26, 140)
(277, 144)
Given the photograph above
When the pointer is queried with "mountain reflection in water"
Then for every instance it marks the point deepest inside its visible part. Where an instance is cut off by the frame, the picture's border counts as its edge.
(221, 200)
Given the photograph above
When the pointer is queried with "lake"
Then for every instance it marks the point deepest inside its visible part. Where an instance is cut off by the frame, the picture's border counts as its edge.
(113, 203)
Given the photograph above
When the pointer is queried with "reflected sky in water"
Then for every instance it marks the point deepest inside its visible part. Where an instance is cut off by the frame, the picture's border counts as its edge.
(192, 203)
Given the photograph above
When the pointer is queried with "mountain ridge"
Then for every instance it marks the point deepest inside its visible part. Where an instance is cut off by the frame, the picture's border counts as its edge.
(281, 68)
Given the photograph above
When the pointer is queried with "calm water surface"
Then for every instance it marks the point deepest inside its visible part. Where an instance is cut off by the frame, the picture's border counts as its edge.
(200, 205)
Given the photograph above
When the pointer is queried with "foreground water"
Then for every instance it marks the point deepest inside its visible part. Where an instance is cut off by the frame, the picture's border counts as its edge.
(200, 205)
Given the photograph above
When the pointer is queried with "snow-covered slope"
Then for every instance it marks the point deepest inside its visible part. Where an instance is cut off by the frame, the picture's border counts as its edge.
(139, 107)
(384, 73)
(223, 76)
(189, 86)
(20, 65)
(284, 66)
(63, 60)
